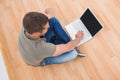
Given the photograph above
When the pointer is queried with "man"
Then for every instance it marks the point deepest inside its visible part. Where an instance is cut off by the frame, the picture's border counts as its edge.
(42, 40)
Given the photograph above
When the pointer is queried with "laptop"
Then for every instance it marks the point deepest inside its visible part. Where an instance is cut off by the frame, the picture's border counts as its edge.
(88, 23)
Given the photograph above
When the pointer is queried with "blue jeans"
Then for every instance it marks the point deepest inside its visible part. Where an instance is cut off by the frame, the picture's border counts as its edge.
(57, 35)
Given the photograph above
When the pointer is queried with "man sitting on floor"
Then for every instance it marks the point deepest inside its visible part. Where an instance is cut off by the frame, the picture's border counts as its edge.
(42, 40)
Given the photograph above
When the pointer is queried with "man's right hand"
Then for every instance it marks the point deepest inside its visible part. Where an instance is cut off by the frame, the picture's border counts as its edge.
(79, 35)
(62, 48)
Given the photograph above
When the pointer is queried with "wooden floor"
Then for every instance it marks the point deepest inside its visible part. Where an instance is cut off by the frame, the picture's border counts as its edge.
(103, 51)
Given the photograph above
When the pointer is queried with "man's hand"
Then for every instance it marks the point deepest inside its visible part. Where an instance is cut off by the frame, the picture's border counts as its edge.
(50, 13)
(62, 48)
(79, 35)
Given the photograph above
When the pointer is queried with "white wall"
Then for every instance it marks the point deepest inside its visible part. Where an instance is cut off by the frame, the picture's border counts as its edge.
(3, 71)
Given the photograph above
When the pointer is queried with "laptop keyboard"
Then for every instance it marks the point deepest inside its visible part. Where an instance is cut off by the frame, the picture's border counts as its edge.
(74, 27)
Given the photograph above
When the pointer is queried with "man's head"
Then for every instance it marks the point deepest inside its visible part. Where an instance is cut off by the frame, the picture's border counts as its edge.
(35, 23)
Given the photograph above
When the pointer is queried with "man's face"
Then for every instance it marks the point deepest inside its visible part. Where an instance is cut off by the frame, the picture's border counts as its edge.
(45, 29)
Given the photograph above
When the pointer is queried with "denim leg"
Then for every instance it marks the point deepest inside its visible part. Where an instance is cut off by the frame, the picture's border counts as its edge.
(68, 56)
(56, 30)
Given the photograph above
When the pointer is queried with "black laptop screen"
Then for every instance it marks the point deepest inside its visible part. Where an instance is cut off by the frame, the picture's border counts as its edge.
(91, 22)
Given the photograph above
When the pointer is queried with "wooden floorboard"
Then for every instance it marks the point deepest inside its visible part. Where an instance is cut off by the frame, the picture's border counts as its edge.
(103, 51)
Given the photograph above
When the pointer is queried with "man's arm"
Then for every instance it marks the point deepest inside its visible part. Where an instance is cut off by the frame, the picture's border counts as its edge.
(62, 48)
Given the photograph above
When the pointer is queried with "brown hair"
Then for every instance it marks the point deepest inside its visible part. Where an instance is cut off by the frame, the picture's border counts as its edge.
(34, 22)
